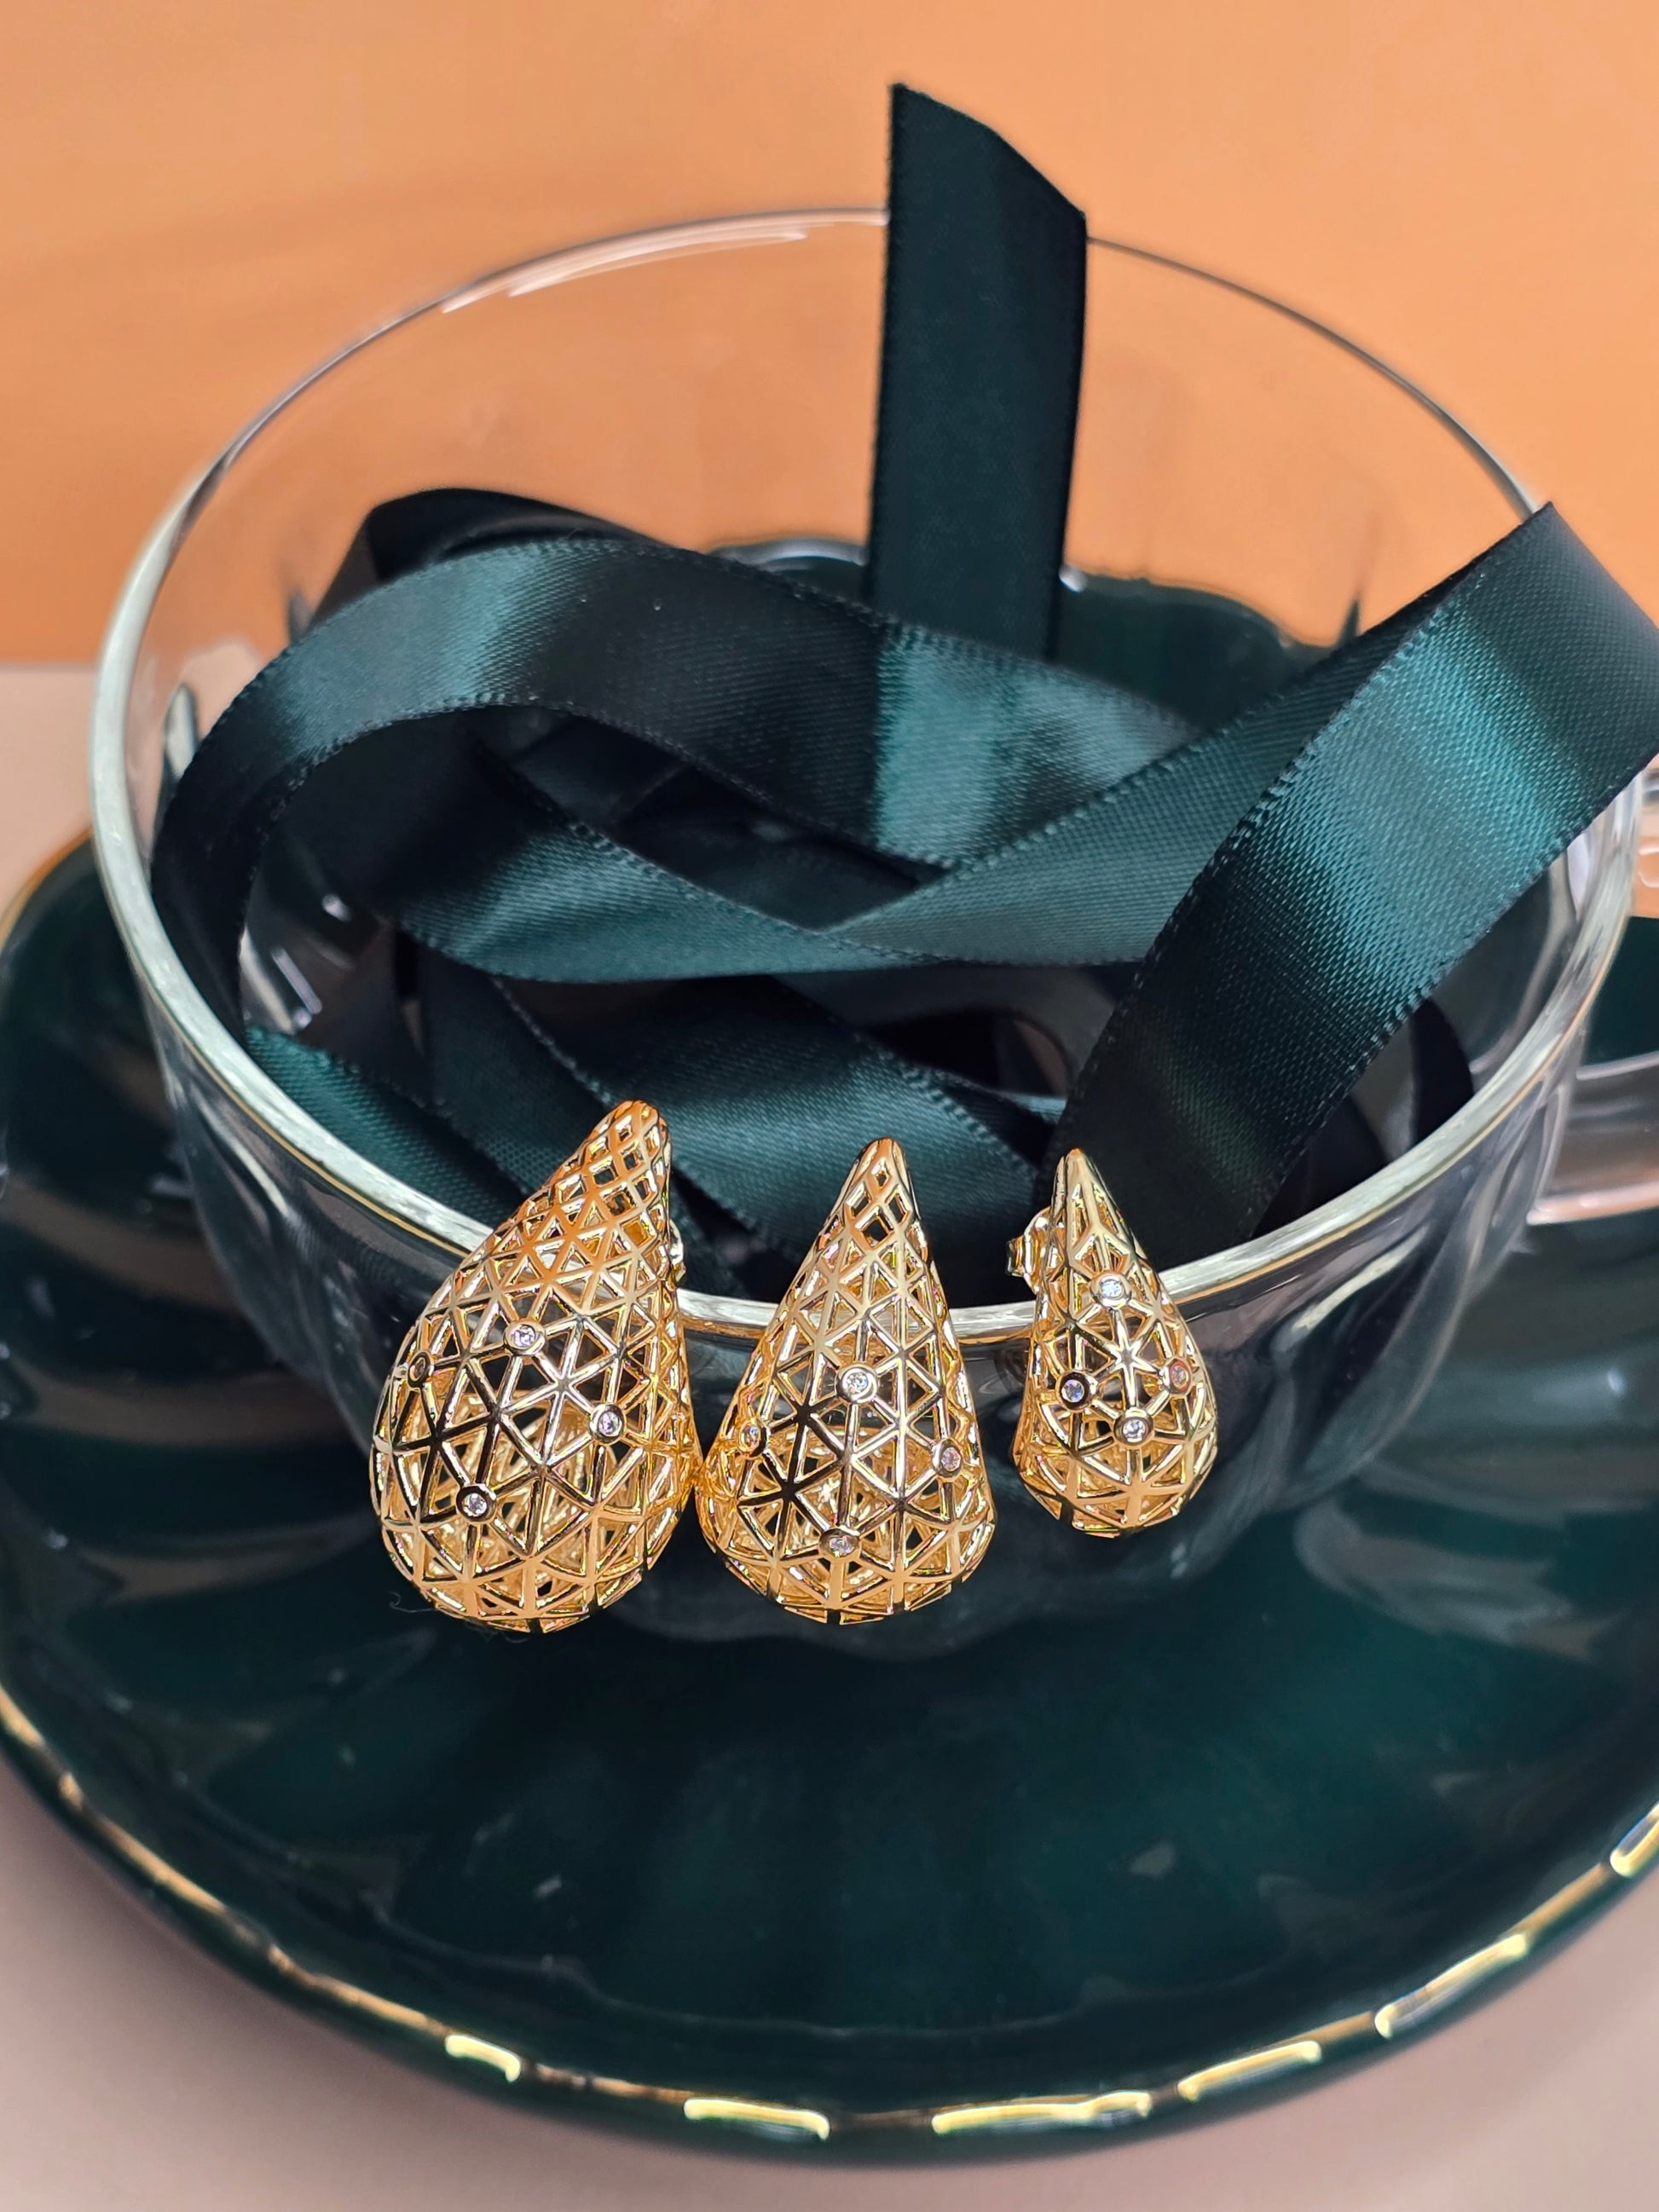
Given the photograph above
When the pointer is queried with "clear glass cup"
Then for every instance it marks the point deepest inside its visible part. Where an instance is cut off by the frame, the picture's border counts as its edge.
(713, 385)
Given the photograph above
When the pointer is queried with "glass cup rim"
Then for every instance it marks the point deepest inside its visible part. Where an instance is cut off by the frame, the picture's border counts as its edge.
(225, 1061)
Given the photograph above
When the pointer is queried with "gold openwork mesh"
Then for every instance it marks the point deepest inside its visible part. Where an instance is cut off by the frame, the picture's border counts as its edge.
(1118, 1427)
(534, 1443)
(848, 1481)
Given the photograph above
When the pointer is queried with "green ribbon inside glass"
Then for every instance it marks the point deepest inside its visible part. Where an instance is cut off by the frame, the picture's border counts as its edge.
(945, 847)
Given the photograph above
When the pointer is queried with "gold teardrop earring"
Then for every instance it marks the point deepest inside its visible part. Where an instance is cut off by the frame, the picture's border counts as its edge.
(534, 1444)
(1117, 1428)
(848, 1481)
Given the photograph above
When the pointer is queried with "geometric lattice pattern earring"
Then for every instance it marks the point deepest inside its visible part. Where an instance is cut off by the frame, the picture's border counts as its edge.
(848, 1481)
(534, 1444)
(1118, 1427)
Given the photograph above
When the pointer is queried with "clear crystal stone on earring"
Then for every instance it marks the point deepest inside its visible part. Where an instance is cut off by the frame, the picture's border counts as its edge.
(1117, 1427)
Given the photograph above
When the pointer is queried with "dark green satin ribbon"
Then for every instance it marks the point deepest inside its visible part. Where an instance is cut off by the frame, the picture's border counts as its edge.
(665, 825)
(1452, 756)
(1433, 768)
(1008, 783)
(981, 362)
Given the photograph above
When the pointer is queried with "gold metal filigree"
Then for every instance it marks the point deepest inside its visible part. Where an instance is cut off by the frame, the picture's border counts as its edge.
(848, 1481)
(1118, 1426)
(534, 1443)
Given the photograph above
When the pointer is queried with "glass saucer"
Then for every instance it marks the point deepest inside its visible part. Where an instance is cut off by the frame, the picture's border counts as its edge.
(1077, 1878)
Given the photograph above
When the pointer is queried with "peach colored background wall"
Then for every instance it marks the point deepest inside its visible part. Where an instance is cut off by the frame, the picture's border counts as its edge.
(199, 196)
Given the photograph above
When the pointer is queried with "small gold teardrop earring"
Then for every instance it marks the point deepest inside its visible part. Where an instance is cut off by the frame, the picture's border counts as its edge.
(534, 1444)
(848, 1481)
(1117, 1427)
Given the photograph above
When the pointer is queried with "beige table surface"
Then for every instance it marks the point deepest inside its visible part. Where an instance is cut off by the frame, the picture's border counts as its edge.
(137, 2074)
